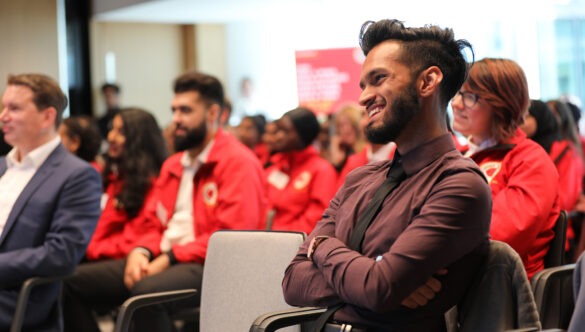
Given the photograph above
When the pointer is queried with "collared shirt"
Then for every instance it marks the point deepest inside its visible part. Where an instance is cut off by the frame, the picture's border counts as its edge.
(475, 148)
(383, 153)
(18, 175)
(180, 227)
(438, 217)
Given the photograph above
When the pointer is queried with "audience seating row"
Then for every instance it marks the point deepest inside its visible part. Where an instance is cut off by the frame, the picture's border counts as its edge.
(244, 270)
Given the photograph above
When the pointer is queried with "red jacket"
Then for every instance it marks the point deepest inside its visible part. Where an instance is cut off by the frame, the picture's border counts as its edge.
(570, 167)
(524, 184)
(228, 193)
(116, 235)
(308, 185)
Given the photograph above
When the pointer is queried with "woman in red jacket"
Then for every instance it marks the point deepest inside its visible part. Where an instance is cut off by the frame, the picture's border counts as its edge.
(524, 181)
(300, 182)
(135, 154)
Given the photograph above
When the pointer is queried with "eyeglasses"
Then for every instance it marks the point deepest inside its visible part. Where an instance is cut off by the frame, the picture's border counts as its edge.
(469, 99)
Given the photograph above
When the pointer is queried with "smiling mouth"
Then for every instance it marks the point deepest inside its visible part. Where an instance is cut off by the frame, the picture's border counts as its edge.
(374, 111)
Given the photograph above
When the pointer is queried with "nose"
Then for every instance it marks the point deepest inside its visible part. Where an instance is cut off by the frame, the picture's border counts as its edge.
(457, 102)
(3, 115)
(175, 118)
(366, 97)
(111, 135)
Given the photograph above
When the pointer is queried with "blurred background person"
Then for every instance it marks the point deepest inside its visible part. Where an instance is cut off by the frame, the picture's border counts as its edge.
(488, 109)
(250, 132)
(80, 136)
(544, 126)
(269, 140)
(136, 151)
(348, 135)
(568, 158)
(323, 140)
(111, 98)
(246, 103)
(300, 182)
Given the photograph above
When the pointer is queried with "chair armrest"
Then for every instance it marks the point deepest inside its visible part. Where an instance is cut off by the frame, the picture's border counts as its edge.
(273, 321)
(23, 295)
(132, 304)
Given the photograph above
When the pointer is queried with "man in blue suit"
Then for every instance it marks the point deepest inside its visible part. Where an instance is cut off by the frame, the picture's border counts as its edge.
(49, 199)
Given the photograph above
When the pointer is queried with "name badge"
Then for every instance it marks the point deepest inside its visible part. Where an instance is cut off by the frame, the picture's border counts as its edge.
(104, 201)
(278, 179)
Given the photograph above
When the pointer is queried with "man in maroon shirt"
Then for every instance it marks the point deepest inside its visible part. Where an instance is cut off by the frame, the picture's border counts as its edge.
(436, 220)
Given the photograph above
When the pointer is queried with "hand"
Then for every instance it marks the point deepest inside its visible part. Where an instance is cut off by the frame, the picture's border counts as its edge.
(158, 265)
(424, 293)
(136, 268)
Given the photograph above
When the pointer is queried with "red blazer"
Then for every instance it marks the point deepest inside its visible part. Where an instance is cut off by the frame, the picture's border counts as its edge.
(525, 185)
(228, 193)
(116, 235)
(309, 185)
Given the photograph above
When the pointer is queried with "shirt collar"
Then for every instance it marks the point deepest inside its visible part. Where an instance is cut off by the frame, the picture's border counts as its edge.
(201, 158)
(474, 148)
(36, 157)
(383, 152)
(423, 155)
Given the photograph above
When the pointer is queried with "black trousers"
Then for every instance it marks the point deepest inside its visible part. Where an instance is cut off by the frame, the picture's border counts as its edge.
(99, 286)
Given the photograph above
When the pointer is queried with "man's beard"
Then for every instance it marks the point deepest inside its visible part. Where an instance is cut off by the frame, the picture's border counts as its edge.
(194, 137)
(401, 112)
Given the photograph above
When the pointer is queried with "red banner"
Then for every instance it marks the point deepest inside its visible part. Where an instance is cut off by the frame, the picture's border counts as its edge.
(327, 79)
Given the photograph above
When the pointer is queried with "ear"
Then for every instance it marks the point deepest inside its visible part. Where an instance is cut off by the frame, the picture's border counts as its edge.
(49, 116)
(213, 113)
(429, 81)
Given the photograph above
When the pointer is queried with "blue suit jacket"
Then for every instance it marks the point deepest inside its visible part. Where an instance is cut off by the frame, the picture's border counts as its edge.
(47, 231)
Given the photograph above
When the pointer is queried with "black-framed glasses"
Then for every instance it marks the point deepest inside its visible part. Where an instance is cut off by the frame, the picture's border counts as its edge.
(469, 99)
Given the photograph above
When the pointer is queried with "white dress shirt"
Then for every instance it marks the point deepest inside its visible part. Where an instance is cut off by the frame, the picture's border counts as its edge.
(18, 175)
(180, 227)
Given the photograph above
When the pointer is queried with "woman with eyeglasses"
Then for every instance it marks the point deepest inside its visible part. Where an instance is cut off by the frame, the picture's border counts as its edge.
(489, 109)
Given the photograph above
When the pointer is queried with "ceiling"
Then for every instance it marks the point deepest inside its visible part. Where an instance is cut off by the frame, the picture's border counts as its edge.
(225, 11)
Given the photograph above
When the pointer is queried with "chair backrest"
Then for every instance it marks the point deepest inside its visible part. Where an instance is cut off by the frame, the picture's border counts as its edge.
(500, 297)
(242, 278)
(553, 294)
(556, 251)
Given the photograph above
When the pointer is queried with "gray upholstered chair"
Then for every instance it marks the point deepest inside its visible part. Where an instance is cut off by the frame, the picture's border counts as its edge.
(242, 279)
(553, 293)
(499, 299)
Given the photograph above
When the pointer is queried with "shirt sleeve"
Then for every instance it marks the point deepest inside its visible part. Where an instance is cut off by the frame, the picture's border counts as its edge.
(304, 284)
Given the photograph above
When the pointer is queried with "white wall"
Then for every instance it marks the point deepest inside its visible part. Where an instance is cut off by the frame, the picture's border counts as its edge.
(210, 49)
(148, 57)
(29, 38)
(264, 49)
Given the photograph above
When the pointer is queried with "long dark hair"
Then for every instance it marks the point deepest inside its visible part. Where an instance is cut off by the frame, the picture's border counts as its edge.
(143, 156)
